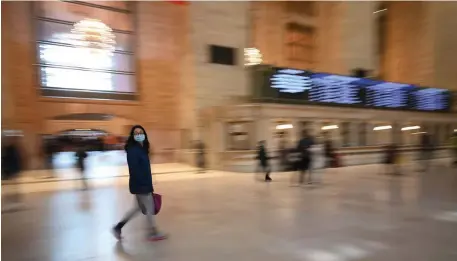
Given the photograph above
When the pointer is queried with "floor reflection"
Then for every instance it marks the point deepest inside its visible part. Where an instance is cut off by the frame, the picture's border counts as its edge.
(356, 214)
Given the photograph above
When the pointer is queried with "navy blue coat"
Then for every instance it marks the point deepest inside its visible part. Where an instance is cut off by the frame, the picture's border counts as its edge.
(11, 161)
(262, 156)
(140, 181)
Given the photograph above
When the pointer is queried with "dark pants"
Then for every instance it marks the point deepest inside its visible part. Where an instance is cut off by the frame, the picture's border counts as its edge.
(201, 164)
(82, 171)
(265, 167)
(304, 167)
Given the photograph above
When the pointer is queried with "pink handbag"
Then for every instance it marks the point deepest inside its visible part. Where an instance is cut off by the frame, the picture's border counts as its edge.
(157, 202)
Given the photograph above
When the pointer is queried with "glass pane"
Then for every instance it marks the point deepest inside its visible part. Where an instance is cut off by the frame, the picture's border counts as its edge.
(86, 80)
(74, 13)
(80, 57)
(61, 33)
(114, 4)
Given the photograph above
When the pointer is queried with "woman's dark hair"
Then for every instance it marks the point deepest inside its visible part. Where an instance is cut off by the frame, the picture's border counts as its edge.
(131, 141)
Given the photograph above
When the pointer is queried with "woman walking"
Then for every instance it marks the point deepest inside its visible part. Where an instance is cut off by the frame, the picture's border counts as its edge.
(264, 160)
(140, 183)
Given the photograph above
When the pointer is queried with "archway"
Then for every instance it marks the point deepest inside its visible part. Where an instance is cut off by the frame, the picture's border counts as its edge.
(109, 123)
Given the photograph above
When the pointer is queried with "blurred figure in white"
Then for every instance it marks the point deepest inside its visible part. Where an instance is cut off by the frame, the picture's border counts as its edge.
(12, 165)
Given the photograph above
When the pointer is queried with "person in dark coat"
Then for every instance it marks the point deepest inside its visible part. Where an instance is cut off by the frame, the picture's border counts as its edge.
(81, 156)
(264, 160)
(391, 160)
(201, 157)
(305, 156)
(12, 165)
(140, 183)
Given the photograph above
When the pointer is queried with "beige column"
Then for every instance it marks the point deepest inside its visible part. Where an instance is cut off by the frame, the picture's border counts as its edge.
(294, 132)
(354, 133)
(20, 110)
(358, 35)
(223, 24)
(396, 133)
(445, 43)
(217, 144)
(262, 129)
(346, 37)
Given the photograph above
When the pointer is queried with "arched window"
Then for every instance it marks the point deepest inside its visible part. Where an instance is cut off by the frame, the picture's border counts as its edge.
(66, 69)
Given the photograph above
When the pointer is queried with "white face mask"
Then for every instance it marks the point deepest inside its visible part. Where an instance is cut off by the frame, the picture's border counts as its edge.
(139, 137)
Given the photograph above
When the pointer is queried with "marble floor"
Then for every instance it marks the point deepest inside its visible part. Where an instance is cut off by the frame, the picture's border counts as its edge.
(356, 214)
(99, 165)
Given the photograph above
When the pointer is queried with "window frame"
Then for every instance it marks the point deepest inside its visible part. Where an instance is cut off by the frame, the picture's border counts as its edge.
(293, 45)
(55, 92)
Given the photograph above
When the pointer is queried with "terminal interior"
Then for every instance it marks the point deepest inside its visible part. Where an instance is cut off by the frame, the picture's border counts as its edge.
(209, 82)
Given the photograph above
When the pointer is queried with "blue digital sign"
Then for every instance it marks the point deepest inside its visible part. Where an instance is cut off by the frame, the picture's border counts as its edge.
(291, 81)
(331, 89)
(388, 95)
(431, 99)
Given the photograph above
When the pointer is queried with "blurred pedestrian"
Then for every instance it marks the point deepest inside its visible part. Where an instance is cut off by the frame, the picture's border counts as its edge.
(201, 159)
(263, 160)
(140, 183)
(12, 165)
(304, 150)
(81, 156)
(391, 158)
(426, 150)
(49, 148)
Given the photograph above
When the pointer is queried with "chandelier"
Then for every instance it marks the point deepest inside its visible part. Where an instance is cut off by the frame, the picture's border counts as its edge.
(94, 35)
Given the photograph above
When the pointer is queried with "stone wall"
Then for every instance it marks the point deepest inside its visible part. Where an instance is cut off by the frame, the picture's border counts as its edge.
(343, 40)
(445, 28)
(409, 43)
(225, 24)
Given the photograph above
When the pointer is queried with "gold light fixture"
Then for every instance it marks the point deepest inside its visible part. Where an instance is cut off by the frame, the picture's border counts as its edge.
(94, 35)
(252, 56)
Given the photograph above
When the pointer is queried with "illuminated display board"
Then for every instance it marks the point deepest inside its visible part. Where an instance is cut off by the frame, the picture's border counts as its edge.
(338, 89)
(301, 86)
(388, 95)
(431, 99)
